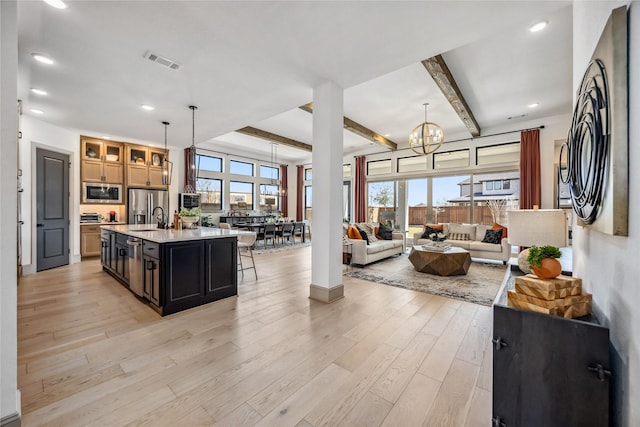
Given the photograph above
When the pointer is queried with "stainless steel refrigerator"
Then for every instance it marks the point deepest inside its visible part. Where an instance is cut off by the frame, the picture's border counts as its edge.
(142, 204)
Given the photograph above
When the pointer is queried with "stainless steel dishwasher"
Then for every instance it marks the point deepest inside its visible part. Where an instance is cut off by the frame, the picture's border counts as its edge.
(136, 278)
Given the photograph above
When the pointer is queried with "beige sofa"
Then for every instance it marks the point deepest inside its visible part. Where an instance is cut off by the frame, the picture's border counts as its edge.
(475, 246)
(363, 254)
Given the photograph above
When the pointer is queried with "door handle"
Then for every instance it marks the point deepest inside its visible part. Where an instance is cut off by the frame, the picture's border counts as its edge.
(39, 225)
(498, 343)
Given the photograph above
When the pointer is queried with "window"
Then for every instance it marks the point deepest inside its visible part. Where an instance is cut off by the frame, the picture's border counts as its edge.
(417, 198)
(308, 193)
(269, 197)
(382, 198)
(489, 185)
(241, 195)
(452, 199)
(412, 164)
(240, 168)
(378, 167)
(346, 171)
(451, 159)
(208, 163)
(494, 194)
(506, 184)
(270, 172)
(308, 174)
(498, 153)
(210, 191)
(346, 201)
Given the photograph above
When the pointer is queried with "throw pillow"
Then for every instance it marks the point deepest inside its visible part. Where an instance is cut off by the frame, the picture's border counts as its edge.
(497, 226)
(363, 235)
(370, 230)
(492, 236)
(354, 233)
(439, 227)
(385, 232)
(459, 236)
(428, 231)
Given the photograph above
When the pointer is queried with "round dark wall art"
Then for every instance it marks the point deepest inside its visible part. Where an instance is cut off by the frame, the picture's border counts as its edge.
(587, 145)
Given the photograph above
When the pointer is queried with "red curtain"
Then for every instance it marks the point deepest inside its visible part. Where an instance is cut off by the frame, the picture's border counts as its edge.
(529, 168)
(189, 166)
(284, 191)
(360, 191)
(300, 192)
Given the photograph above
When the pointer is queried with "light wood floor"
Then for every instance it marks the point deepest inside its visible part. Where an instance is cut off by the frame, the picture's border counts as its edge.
(90, 353)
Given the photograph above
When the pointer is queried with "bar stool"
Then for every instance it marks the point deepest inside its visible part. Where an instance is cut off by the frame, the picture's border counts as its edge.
(225, 226)
(245, 245)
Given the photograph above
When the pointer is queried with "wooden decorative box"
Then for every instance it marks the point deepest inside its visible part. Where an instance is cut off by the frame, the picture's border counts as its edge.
(569, 307)
(548, 289)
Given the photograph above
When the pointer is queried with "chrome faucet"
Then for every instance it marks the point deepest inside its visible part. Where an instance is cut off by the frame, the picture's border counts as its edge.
(162, 218)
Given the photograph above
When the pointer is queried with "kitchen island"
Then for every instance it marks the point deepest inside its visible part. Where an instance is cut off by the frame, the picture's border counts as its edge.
(172, 269)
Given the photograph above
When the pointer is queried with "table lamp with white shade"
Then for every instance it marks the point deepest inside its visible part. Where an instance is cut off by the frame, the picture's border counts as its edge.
(536, 227)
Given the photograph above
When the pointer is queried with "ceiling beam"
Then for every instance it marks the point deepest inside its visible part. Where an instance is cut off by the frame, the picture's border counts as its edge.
(441, 74)
(360, 130)
(259, 133)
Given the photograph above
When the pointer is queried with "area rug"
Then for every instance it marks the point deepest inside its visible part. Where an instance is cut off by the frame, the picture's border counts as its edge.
(479, 286)
(269, 249)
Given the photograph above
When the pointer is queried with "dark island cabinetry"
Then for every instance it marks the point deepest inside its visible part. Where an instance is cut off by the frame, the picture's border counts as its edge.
(549, 371)
(175, 275)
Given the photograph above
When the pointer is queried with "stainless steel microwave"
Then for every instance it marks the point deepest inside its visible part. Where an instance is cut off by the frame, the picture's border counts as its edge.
(101, 193)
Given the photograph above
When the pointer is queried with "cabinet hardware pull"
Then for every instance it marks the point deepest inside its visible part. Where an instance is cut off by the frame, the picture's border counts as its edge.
(599, 371)
(151, 265)
(498, 343)
(497, 422)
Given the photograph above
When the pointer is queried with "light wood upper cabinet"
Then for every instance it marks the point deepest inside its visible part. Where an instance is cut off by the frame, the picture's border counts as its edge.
(144, 166)
(101, 161)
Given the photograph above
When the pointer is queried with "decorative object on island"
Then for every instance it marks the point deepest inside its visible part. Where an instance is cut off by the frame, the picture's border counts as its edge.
(189, 216)
(597, 147)
(536, 227)
(561, 296)
(167, 166)
(427, 137)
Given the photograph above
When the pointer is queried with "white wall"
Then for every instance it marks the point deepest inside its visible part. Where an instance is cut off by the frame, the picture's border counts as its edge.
(9, 395)
(39, 134)
(608, 265)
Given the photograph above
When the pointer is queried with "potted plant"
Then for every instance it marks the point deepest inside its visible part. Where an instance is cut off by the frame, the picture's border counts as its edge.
(543, 261)
(189, 216)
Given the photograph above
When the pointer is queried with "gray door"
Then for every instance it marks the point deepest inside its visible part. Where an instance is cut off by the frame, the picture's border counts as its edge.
(52, 211)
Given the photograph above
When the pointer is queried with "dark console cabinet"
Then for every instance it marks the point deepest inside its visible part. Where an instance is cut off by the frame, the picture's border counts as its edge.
(549, 371)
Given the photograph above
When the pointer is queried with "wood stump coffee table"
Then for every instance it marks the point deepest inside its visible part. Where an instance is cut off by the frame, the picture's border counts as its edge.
(453, 262)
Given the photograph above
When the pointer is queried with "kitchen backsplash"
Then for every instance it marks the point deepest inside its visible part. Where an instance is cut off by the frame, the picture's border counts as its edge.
(104, 211)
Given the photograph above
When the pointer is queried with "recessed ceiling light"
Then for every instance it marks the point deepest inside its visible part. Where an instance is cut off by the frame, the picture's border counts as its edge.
(42, 58)
(538, 26)
(152, 145)
(58, 4)
(147, 107)
(387, 135)
(106, 137)
(534, 105)
(39, 92)
(36, 111)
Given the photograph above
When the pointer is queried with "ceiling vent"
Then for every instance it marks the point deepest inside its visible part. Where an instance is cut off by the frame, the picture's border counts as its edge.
(165, 62)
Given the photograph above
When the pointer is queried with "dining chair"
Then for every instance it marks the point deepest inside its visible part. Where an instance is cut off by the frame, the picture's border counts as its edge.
(245, 250)
(270, 233)
(285, 231)
(298, 231)
(225, 226)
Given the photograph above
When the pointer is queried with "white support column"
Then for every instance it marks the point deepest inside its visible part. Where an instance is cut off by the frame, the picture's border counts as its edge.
(9, 394)
(326, 271)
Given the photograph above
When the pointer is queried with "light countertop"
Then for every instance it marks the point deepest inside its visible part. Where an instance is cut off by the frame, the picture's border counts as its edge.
(158, 235)
(103, 223)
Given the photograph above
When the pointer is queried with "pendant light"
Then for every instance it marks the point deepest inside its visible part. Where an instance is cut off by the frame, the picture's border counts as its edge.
(427, 137)
(167, 166)
(192, 173)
